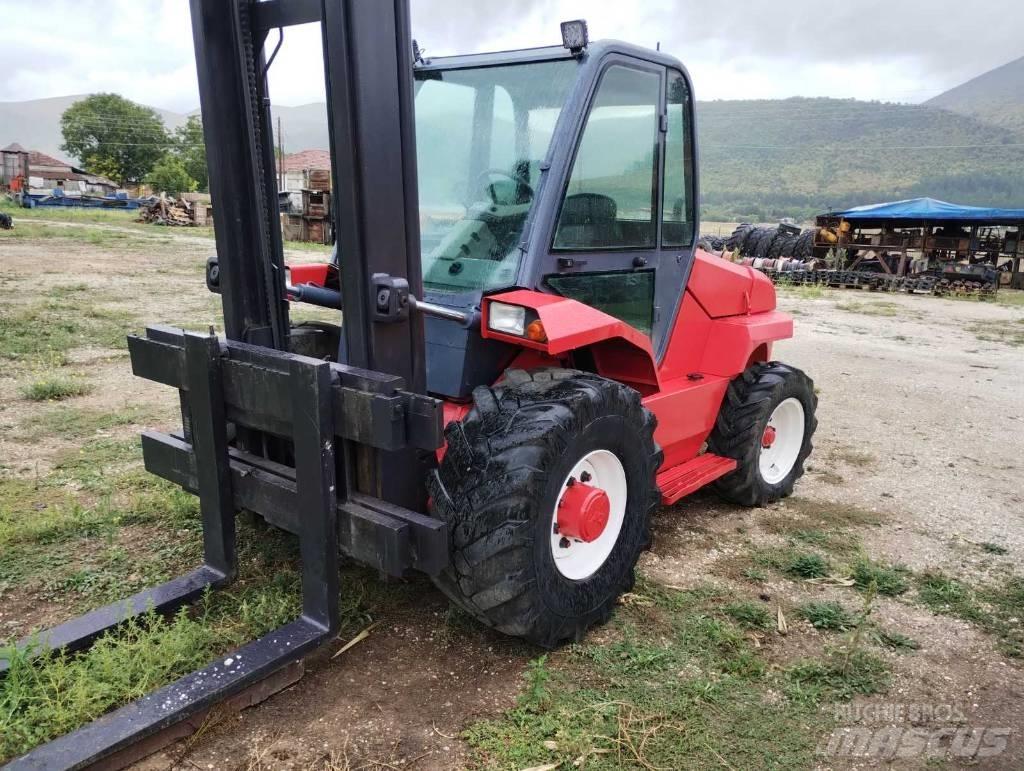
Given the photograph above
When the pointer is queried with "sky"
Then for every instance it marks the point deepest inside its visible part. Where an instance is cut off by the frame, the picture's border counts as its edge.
(890, 50)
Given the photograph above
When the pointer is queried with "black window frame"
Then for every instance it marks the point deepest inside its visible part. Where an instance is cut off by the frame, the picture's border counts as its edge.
(689, 153)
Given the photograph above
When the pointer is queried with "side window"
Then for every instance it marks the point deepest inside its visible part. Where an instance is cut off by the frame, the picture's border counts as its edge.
(628, 296)
(677, 215)
(610, 200)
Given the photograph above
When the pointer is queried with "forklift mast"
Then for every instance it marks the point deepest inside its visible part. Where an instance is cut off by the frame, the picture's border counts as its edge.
(367, 51)
(325, 450)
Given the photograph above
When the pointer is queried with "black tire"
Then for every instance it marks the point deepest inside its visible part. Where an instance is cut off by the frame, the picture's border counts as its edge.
(499, 482)
(764, 244)
(748, 404)
(805, 245)
(738, 237)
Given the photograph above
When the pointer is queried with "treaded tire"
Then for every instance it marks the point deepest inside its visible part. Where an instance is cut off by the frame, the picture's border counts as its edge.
(748, 404)
(500, 480)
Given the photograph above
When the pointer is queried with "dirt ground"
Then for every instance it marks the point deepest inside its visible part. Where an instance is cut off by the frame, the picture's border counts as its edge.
(920, 420)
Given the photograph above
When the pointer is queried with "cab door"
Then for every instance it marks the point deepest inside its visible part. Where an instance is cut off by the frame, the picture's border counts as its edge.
(622, 239)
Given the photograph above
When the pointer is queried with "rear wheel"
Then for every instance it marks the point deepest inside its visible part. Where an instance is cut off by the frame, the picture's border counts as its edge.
(547, 487)
(766, 424)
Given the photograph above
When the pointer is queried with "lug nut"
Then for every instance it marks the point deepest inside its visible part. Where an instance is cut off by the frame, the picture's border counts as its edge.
(564, 543)
(585, 477)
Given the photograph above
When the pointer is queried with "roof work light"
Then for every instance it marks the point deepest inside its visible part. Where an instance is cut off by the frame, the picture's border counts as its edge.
(574, 35)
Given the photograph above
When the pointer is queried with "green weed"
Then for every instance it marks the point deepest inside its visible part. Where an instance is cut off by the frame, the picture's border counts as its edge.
(807, 565)
(749, 614)
(54, 388)
(896, 640)
(839, 675)
(890, 580)
(828, 615)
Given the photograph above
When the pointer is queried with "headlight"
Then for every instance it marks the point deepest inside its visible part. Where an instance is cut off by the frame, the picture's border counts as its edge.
(508, 319)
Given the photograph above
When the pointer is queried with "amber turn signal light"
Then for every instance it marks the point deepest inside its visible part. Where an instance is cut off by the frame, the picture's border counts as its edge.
(535, 331)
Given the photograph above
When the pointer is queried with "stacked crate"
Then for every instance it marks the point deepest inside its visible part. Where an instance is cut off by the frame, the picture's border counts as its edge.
(314, 222)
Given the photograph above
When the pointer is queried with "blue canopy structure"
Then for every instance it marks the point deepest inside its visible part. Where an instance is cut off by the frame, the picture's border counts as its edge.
(919, 209)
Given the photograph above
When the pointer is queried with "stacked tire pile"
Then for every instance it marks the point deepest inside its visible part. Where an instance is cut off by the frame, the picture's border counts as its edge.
(786, 255)
(784, 248)
(715, 244)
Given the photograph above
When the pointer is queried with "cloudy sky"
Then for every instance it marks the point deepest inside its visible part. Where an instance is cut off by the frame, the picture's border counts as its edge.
(870, 49)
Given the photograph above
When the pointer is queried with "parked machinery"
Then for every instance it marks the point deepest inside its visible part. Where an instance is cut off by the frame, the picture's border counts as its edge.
(512, 391)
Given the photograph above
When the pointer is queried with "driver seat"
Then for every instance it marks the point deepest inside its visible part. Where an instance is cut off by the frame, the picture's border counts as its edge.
(588, 221)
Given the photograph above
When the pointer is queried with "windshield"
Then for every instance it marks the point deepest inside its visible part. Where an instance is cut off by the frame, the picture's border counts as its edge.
(481, 136)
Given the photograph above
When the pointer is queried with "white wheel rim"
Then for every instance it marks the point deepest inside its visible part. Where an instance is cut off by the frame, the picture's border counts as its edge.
(787, 425)
(579, 560)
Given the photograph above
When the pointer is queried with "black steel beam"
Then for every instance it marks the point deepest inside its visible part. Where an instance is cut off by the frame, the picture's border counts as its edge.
(232, 94)
(316, 491)
(367, 48)
(272, 14)
(381, 535)
(210, 432)
(369, 408)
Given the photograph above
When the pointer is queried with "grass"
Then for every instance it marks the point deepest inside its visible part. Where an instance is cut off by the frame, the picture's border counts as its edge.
(750, 615)
(996, 608)
(79, 422)
(882, 308)
(827, 614)
(1013, 298)
(889, 580)
(673, 683)
(68, 317)
(76, 554)
(897, 641)
(54, 388)
(801, 291)
(853, 457)
(835, 515)
(841, 675)
(993, 548)
(806, 565)
(1006, 333)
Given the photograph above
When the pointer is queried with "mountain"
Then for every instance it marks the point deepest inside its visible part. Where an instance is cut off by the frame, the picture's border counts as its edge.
(760, 159)
(35, 124)
(996, 97)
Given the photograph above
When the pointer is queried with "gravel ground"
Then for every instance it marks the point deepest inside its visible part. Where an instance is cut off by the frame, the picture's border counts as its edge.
(920, 416)
(920, 419)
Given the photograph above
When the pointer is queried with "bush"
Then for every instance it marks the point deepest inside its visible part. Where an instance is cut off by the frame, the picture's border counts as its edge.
(170, 176)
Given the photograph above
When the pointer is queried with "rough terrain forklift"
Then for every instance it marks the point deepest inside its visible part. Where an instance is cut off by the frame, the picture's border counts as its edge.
(530, 352)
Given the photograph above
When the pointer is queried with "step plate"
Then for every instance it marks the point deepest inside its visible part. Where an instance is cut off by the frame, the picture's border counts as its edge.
(679, 481)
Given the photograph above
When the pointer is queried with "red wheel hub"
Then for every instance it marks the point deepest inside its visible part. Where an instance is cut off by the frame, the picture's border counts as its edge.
(768, 438)
(583, 512)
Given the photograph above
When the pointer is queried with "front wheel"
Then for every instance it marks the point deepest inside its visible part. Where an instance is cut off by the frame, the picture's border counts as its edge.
(547, 487)
(765, 424)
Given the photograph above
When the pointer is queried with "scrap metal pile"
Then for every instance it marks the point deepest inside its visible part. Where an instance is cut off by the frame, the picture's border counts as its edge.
(168, 211)
(787, 255)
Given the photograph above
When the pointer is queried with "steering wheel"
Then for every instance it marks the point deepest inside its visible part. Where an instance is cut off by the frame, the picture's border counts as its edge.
(519, 179)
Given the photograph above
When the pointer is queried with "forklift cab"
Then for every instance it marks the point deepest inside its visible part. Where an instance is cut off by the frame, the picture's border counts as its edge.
(566, 172)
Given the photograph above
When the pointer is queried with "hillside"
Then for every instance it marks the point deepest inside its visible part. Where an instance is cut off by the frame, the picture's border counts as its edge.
(996, 97)
(760, 159)
(766, 158)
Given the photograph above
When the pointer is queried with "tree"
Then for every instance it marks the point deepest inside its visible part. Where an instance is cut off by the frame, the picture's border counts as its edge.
(114, 136)
(191, 148)
(170, 176)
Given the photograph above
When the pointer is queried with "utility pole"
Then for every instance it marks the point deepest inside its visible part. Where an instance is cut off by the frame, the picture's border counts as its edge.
(280, 155)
